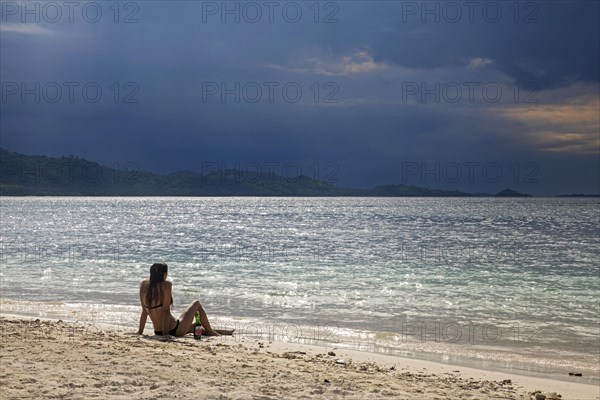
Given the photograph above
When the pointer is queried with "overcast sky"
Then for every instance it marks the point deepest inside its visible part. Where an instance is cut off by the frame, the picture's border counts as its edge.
(475, 96)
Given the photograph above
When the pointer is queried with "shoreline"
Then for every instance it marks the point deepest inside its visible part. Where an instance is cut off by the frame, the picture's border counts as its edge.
(406, 376)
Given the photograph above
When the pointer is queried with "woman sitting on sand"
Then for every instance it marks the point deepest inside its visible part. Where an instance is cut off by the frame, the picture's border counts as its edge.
(156, 301)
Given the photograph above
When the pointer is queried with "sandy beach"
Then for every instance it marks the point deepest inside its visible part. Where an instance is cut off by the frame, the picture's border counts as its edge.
(56, 359)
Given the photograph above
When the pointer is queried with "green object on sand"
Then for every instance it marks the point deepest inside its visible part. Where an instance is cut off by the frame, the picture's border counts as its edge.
(198, 330)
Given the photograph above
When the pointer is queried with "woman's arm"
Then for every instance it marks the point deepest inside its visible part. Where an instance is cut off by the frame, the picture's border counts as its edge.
(144, 315)
(143, 318)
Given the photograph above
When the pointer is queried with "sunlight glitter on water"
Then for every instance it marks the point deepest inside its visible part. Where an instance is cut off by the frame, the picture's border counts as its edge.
(368, 265)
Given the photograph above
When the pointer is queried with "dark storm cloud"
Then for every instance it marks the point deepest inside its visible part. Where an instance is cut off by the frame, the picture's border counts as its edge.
(557, 46)
(353, 74)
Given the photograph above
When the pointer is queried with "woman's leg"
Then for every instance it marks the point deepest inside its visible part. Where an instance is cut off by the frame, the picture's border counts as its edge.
(186, 320)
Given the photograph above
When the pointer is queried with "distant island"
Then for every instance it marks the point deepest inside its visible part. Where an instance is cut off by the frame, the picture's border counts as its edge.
(511, 193)
(24, 175)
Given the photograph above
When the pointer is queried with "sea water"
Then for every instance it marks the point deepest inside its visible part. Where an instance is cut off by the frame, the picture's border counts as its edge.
(487, 282)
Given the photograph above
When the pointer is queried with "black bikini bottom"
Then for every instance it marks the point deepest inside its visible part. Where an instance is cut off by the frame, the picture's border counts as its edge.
(172, 332)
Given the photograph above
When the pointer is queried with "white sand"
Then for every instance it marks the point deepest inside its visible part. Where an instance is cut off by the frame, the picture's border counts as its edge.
(63, 360)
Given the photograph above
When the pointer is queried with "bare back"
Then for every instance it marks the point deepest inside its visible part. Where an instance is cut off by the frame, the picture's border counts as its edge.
(160, 306)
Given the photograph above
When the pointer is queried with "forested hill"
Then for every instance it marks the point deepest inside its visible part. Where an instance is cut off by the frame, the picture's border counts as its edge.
(73, 176)
(25, 175)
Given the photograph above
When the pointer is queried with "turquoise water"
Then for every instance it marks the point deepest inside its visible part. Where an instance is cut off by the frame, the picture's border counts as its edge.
(508, 283)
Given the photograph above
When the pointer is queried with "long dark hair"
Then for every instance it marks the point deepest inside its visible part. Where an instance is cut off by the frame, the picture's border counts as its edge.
(155, 288)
